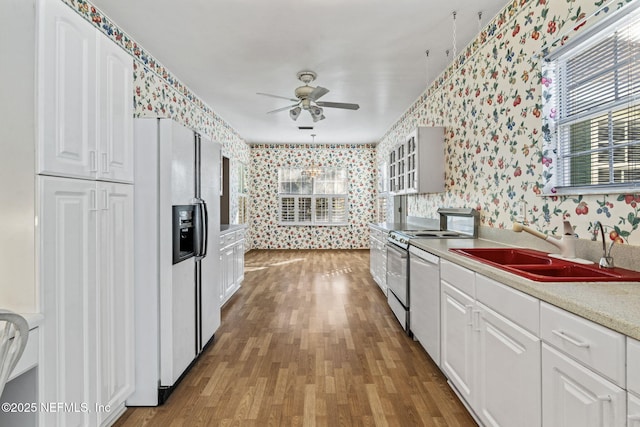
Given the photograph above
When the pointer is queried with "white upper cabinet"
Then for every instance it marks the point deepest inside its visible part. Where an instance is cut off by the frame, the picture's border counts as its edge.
(417, 165)
(86, 100)
(67, 102)
(115, 123)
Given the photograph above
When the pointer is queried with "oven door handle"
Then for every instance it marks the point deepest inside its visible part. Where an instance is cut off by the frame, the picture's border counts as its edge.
(401, 253)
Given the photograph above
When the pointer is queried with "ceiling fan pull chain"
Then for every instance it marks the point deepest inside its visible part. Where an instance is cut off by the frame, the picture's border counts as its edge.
(479, 22)
(428, 74)
(455, 48)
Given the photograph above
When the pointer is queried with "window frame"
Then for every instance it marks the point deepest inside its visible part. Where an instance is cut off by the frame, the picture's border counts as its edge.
(563, 127)
(314, 219)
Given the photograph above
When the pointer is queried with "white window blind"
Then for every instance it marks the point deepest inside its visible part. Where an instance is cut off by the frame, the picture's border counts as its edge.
(316, 199)
(598, 108)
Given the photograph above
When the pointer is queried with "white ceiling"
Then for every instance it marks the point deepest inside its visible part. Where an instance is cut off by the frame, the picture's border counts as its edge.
(369, 52)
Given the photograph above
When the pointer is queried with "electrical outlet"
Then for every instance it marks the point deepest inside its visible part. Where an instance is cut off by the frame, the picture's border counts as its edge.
(522, 211)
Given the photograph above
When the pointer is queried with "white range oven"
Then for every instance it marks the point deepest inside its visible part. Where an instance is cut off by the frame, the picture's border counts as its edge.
(454, 224)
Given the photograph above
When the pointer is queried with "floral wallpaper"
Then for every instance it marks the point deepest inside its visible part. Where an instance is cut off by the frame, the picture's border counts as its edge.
(263, 183)
(158, 93)
(490, 101)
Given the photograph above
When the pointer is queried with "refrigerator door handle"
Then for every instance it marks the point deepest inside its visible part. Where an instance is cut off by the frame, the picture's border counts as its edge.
(203, 227)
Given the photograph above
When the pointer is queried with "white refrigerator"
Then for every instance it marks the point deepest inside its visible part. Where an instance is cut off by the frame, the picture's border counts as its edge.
(177, 306)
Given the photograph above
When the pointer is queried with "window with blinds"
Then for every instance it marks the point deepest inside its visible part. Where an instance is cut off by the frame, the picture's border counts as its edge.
(598, 108)
(319, 198)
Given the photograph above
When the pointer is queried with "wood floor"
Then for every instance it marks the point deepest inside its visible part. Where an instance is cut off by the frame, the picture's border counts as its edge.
(309, 340)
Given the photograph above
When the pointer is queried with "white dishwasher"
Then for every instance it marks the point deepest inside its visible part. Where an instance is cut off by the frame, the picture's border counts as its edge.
(424, 288)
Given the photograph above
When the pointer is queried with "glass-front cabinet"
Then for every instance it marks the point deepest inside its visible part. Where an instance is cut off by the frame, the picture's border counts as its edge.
(417, 164)
(393, 178)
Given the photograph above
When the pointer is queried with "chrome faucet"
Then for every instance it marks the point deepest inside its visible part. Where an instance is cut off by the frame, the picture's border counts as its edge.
(606, 261)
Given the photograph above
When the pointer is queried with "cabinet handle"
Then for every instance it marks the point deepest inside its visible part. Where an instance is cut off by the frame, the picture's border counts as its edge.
(470, 311)
(477, 327)
(573, 341)
(93, 204)
(603, 399)
(105, 200)
(105, 163)
(93, 162)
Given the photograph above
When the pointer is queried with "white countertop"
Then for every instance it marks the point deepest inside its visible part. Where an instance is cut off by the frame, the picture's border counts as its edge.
(615, 305)
(229, 228)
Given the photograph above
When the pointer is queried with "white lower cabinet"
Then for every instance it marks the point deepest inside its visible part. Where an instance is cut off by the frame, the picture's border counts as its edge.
(492, 361)
(86, 274)
(456, 353)
(573, 395)
(519, 361)
(231, 263)
(633, 410)
(508, 371)
(378, 257)
(115, 306)
(633, 382)
(238, 257)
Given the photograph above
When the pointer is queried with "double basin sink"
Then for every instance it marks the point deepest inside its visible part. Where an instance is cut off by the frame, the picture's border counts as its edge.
(538, 266)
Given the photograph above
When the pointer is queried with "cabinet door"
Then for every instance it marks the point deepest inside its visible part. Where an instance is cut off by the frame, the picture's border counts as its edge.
(67, 232)
(227, 264)
(401, 169)
(508, 372)
(633, 410)
(229, 267)
(412, 184)
(223, 276)
(238, 257)
(573, 395)
(457, 340)
(393, 172)
(67, 93)
(115, 338)
(115, 146)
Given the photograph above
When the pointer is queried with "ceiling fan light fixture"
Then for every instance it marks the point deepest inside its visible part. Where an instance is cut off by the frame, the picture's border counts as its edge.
(294, 113)
(307, 99)
(316, 113)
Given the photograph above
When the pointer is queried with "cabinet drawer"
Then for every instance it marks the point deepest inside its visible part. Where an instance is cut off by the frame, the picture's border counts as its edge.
(599, 348)
(378, 234)
(518, 307)
(228, 238)
(633, 365)
(458, 277)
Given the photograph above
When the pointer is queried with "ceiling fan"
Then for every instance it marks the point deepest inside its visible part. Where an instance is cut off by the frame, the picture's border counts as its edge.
(307, 99)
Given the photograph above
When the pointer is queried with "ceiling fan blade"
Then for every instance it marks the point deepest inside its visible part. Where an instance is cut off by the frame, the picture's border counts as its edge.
(277, 96)
(318, 92)
(282, 109)
(338, 105)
